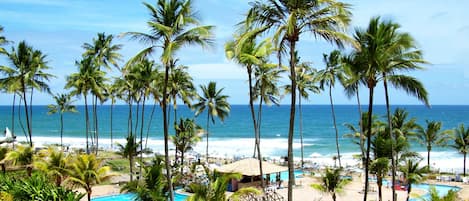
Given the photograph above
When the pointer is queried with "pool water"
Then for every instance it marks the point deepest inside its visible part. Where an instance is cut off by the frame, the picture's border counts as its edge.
(441, 189)
(131, 197)
(284, 175)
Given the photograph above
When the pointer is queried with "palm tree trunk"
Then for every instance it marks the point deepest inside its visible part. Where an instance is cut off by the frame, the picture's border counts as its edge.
(92, 134)
(334, 197)
(21, 121)
(379, 181)
(131, 167)
(112, 107)
(166, 135)
(300, 110)
(360, 122)
(291, 128)
(464, 170)
(137, 118)
(89, 194)
(428, 156)
(149, 123)
(129, 118)
(258, 139)
(408, 192)
(368, 142)
(87, 123)
(141, 132)
(61, 129)
(206, 149)
(96, 126)
(13, 114)
(31, 114)
(251, 107)
(27, 115)
(391, 135)
(335, 125)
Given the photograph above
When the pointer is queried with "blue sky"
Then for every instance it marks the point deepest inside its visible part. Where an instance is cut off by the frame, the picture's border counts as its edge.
(60, 27)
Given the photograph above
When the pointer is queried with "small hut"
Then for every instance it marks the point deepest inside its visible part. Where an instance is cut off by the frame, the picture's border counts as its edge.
(249, 168)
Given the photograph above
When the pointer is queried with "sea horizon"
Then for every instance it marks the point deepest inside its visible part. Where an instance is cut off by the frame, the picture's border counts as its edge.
(236, 131)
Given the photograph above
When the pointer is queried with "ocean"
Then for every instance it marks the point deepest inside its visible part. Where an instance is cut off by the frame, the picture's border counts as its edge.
(234, 136)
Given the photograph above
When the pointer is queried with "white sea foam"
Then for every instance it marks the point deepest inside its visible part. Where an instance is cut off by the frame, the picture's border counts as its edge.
(444, 161)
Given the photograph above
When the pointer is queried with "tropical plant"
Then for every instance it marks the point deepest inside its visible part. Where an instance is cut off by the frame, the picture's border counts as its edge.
(288, 20)
(53, 163)
(154, 186)
(186, 137)
(26, 75)
(244, 50)
(215, 190)
(3, 41)
(431, 136)
(130, 151)
(214, 103)
(21, 156)
(461, 142)
(327, 78)
(85, 171)
(87, 78)
(173, 24)
(36, 187)
(434, 196)
(63, 104)
(332, 182)
(413, 174)
(103, 53)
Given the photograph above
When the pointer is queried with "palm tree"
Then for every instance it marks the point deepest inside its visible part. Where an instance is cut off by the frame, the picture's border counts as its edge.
(215, 103)
(305, 82)
(216, 189)
(22, 155)
(246, 52)
(173, 24)
(27, 72)
(399, 53)
(332, 182)
(461, 143)
(181, 86)
(103, 53)
(129, 151)
(53, 163)
(432, 136)
(413, 174)
(289, 19)
(186, 137)
(327, 77)
(434, 196)
(3, 41)
(63, 104)
(85, 80)
(380, 166)
(154, 186)
(86, 171)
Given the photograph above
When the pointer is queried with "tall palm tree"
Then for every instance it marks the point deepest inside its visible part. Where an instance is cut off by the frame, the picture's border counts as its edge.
(328, 77)
(181, 86)
(214, 103)
(104, 53)
(413, 174)
(431, 136)
(28, 73)
(86, 171)
(332, 182)
(83, 82)
(186, 137)
(461, 142)
(400, 54)
(245, 51)
(289, 19)
(3, 41)
(383, 53)
(173, 24)
(63, 104)
(129, 151)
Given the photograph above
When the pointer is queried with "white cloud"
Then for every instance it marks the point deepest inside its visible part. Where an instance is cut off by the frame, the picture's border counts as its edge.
(217, 71)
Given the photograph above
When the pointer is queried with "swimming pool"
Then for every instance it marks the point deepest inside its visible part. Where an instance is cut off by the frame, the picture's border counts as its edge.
(131, 197)
(284, 175)
(441, 189)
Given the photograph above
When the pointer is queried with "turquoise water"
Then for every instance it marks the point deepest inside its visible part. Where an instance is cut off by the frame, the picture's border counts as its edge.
(236, 130)
(284, 175)
(441, 189)
(131, 196)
